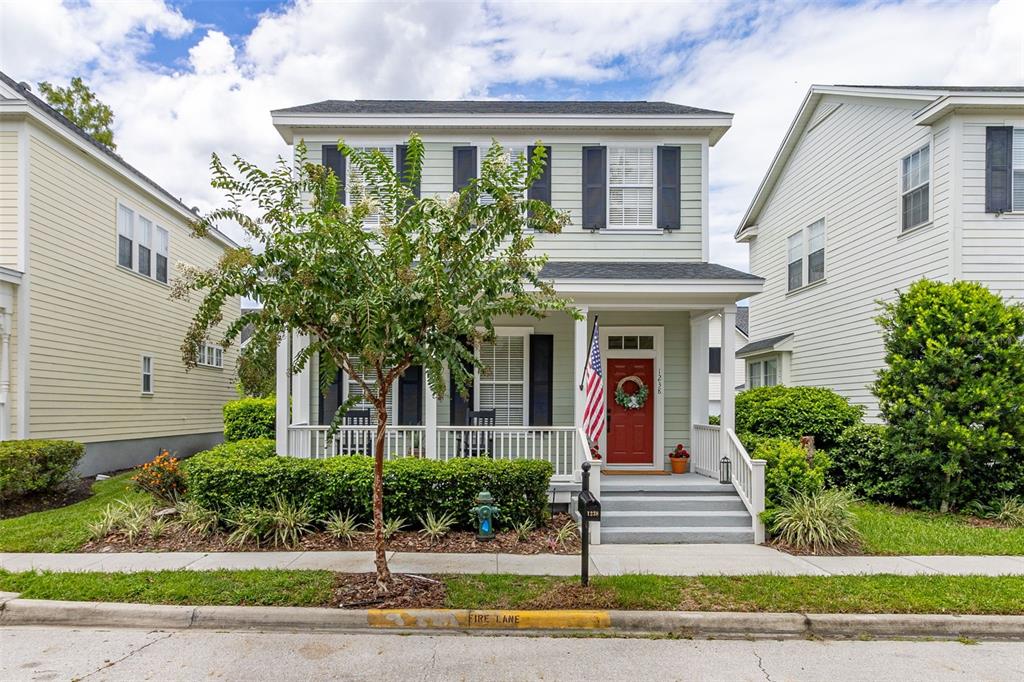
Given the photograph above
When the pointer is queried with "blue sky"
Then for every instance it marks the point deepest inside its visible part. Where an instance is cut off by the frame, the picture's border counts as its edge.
(187, 78)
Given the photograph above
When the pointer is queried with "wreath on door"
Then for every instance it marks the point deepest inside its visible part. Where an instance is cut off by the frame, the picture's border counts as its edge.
(634, 400)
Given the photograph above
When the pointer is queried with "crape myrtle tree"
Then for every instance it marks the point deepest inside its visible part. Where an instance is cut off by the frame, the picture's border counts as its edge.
(420, 289)
(952, 392)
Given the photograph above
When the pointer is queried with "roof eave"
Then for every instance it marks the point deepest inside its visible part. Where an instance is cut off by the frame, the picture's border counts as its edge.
(946, 105)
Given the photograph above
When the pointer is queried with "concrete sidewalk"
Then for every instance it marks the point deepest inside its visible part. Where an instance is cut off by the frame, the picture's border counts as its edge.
(605, 560)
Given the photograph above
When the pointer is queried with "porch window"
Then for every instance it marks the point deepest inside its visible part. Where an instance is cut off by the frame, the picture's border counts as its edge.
(502, 387)
(147, 374)
(915, 186)
(145, 241)
(125, 235)
(353, 388)
(631, 187)
(355, 184)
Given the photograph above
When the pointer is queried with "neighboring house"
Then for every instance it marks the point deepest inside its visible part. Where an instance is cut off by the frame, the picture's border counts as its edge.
(875, 187)
(715, 358)
(633, 177)
(90, 338)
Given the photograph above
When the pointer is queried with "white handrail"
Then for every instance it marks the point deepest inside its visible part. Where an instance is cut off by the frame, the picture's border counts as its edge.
(748, 479)
(316, 441)
(705, 445)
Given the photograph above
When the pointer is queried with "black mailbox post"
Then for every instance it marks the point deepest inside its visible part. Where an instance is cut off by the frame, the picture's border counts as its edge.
(589, 508)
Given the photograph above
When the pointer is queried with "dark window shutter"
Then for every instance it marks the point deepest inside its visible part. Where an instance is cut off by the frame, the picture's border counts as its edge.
(463, 166)
(459, 407)
(595, 188)
(401, 165)
(335, 160)
(331, 400)
(714, 360)
(410, 397)
(998, 155)
(541, 189)
(668, 188)
(541, 378)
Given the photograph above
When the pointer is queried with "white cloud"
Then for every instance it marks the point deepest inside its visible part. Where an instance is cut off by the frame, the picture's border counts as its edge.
(754, 60)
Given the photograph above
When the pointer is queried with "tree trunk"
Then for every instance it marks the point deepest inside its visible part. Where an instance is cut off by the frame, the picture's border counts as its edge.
(380, 555)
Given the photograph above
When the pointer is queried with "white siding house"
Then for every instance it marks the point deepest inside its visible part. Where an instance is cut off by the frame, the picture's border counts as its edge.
(89, 337)
(872, 189)
(715, 358)
(633, 179)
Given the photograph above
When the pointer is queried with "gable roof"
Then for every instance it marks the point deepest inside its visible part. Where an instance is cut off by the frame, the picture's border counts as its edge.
(511, 107)
(109, 154)
(743, 319)
(762, 345)
(929, 95)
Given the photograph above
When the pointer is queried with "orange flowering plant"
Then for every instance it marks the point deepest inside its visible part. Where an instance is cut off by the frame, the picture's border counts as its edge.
(162, 477)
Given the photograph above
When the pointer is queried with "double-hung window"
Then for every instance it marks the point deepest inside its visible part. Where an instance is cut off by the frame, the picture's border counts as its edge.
(125, 235)
(162, 243)
(806, 265)
(502, 385)
(211, 355)
(762, 373)
(915, 188)
(147, 374)
(631, 187)
(1017, 174)
(356, 184)
(145, 238)
(511, 153)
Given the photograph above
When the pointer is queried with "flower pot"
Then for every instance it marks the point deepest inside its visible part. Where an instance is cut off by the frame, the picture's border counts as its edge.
(680, 465)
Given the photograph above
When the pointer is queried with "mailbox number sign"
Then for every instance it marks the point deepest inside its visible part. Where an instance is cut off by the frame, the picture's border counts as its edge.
(589, 506)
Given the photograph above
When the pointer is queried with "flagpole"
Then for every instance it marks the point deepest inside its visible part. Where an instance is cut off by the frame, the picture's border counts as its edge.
(589, 346)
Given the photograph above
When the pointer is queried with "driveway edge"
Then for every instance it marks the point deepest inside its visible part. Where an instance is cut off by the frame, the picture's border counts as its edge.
(21, 612)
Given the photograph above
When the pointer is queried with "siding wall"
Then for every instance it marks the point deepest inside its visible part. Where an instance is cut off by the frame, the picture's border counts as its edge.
(992, 246)
(573, 243)
(846, 170)
(91, 321)
(9, 198)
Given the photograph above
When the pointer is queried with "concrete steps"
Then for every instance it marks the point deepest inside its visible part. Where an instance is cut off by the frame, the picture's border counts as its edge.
(672, 509)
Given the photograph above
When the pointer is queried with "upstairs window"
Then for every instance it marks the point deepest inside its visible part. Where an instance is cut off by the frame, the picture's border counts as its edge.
(806, 265)
(125, 235)
(631, 187)
(512, 154)
(816, 251)
(502, 387)
(145, 236)
(211, 355)
(915, 186)
(356, 185)
(795, 249)
(162, 243)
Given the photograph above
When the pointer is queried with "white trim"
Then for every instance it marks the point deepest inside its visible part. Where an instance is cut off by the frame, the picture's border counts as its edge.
(956, 128)
(658, 355)
(24, 306)
(705, 229)
(973, 103)
(142, 375)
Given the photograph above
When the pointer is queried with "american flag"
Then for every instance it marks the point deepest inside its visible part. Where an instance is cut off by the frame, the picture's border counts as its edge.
(593, 386)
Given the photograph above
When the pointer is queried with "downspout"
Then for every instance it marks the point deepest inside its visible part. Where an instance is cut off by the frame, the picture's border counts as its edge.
(5, 377)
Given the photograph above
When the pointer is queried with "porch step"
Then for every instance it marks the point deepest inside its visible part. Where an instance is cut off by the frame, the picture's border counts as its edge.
(663, 484)
(675, 520)
(653, 535)
(628, 501)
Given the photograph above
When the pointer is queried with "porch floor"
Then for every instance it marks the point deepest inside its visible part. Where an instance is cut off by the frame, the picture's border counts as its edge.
(682, 508)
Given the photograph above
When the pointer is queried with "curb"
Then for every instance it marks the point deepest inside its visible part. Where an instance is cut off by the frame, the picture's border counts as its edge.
(16, 612)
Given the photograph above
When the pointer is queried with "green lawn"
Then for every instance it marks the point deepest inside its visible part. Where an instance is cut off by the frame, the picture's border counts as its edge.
(887, 530)
(815, 594)
(65, 529)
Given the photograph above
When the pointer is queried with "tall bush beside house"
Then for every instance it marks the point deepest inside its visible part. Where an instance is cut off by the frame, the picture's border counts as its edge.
(864, 461)
(952, 391)
(795, 411)
(33, 466)
(249, 418)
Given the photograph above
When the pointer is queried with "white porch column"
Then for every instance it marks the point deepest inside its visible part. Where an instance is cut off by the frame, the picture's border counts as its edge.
(698, 370)
(300, 382)
(429, 419)
(728, 373)
(581, 340)
(281, 393)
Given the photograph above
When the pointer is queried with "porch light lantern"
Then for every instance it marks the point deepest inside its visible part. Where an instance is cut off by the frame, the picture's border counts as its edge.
(725, 470)
(485, 511)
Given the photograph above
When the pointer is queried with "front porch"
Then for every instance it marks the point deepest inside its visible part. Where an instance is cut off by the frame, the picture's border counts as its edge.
(653, 335)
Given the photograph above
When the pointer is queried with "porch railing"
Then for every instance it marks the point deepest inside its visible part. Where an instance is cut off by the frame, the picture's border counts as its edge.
(555, 444)
(316, 442)
(747, 474)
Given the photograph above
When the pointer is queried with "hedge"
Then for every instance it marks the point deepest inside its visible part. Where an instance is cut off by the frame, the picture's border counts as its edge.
(412, 486)
(31, 466)
(249, 418)
(788, 471)
(795, 411)
(865, 462)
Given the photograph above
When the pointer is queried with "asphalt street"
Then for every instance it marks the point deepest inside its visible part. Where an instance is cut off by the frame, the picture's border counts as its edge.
(42, 653)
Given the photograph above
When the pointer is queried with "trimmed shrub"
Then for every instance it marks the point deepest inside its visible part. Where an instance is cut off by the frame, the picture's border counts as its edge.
(864, 461)
(787, 470)
(412, 486)
(249, 418)
(31, 466)
(952, 392)
(251, 448)
(795, 411)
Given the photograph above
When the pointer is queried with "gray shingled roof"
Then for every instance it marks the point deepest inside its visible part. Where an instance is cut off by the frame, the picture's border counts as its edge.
(762, 344)
(743, 319)
(641, 270)
(950, 88)
(419, 106)
(67, 123)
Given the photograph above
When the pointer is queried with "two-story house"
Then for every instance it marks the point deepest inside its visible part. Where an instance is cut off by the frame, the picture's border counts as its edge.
(875, 187)
(715, 357)
(89, 337)
(633, 178)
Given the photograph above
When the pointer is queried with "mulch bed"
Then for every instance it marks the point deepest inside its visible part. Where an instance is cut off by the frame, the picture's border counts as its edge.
(541, 541)
(69, 493)
(853, 549)
(359, 591)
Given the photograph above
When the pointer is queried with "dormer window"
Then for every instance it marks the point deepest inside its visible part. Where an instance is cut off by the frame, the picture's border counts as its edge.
(631, 187)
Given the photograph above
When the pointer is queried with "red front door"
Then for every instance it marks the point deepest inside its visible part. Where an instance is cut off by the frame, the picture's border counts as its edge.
(630, 432)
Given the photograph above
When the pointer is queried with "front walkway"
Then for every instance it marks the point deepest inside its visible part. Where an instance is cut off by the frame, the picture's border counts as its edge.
(605, 560)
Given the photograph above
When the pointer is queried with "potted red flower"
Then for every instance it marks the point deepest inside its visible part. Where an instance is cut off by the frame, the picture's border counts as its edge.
(680, 460)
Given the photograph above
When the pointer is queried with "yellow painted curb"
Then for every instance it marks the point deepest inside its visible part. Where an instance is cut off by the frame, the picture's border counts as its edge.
(467, 619)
